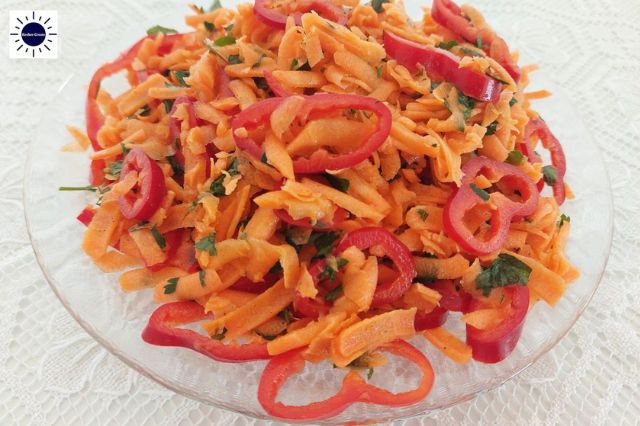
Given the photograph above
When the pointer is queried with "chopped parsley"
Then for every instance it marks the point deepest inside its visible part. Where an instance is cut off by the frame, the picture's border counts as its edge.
(144, 111)
(324, 242)
(114, 168)
(550, 175)
(563, 219)
(217, 187)
(492, 128)
(160, 29)
(234, 59)
(334, 294)
(337, 182)
(480, 192)
(513, 101)
(201, 277)
(162, 243)
(209, 26)
(472, 52)
(171, 285)
(448, 45)
(233, 167)
(208, 244)
(264, 158)
(294, 64)
(329, 272)
(379, 70)
(138, 226)
(175, 165)
(78, 188)
(124, 149)
(468, 104)
(377, 4)
(479, 43)
(515, 157)
(225, 41)
(180, 76)
(168, 104)
(369, 373)
(506, 270)
(435, 85)
(423, 214)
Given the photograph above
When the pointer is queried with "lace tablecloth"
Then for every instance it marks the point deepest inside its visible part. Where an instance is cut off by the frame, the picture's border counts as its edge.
(52, 372)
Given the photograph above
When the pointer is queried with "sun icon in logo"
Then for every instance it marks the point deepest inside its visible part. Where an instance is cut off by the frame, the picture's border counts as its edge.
(34, 34)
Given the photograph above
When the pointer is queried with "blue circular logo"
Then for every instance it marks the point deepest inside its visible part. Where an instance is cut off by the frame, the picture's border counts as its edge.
(33, 34)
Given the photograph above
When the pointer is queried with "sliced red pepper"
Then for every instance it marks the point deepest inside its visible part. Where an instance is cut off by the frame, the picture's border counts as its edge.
(365, 238)
(495, 344)
(449, 15)
(245, 284)
(275, 85)
(278, 20)
(161, 330)
(96, 172)
(321, 160)
(338, 217)
(441, 64)
(145, 198)
(185, 255)
(354, 388)
(428, 320)
(558, 159)
(306, 306)
(86, 216)
(453, 297)
(172, 240)
(93, 116)
(465, 198)
(174, 123)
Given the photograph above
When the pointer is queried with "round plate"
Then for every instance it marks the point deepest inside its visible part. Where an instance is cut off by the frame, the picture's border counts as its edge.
(116, 319)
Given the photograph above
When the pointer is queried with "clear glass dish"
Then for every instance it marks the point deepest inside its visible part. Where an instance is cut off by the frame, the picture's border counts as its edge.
(116, 319)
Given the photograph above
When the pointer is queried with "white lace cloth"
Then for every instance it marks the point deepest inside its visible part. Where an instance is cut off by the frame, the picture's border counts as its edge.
(52, 372)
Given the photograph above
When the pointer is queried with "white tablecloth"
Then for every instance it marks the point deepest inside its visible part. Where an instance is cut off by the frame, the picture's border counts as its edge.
(52, 372)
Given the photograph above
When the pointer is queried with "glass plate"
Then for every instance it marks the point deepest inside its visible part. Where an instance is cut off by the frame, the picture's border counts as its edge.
(116, 319)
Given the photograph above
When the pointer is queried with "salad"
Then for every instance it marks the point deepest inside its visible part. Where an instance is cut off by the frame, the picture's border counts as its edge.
(323, 180)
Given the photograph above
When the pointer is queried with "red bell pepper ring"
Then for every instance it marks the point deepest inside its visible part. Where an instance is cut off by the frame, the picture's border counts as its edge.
(449, 15)
(551, 143)
(465, 198)
(453, 297)
(338, 217)
(441, 64)
(428, 320)
(93, 115)
(275, 85)
(321, 160)
(278, 20)
(495, 344)
(151, 189)
(161, 330)
(365, 238)
(354, 388)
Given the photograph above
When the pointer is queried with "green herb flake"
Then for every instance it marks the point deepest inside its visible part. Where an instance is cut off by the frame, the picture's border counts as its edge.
(550, 175)
(144, 111)
(468, 104)
(171, 285)
(209, 26)
(471, 52)
(379, 71)
(435, 85)
(334, 294)
(338, 183)
(162, 243)
(219, 334)
(328, 273)
(563, 219)
(370, 374)
(78, 188)
(377, 5)
(229, 27)
(201, 277)
(480, 192)
(341, 262)
(215, 5)
(286, 315)
(233, 167)
(515, 157)
(513, 101)
(138, 226)
(180, 76)
(217, 187)
(168, 104)
(208, 244)
(261, 83)
(479, 43)
(294, 64)
(324, 242)
(160, 29)
(234, 59)
(423, 214)
(264, 158)
(114, 168)
(124, 149)
(506, 270)
(225, 41)
(492, 129)
(448, 45)
(175, 165)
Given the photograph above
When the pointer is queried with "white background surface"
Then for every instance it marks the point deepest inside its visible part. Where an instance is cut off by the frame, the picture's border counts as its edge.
(52, 372)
